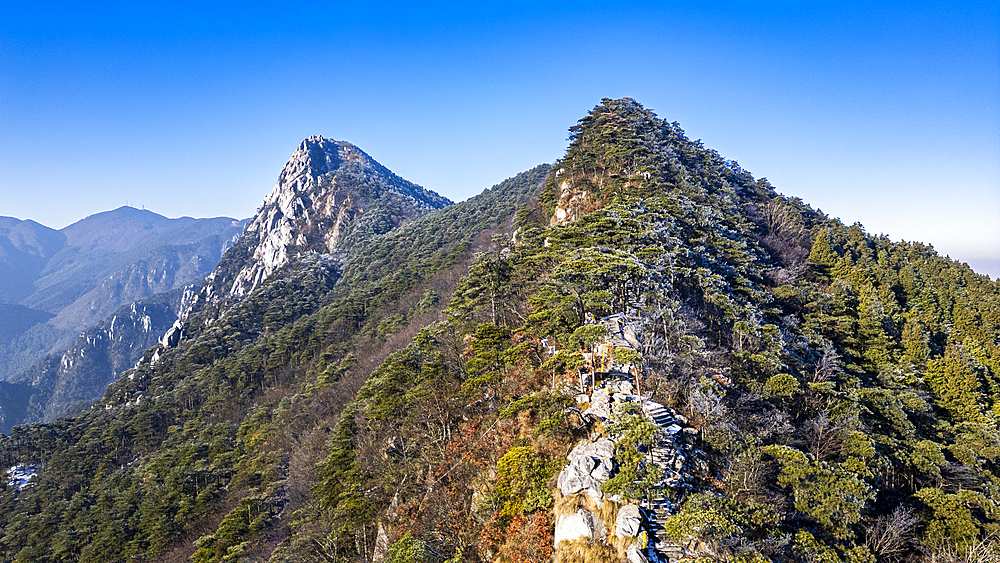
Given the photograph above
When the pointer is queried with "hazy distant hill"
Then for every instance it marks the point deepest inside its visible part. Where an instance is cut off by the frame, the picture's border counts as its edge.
(56, 284)
(81, 373)
(25, 249)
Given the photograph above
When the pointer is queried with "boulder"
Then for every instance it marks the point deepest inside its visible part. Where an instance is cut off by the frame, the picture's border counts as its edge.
(580, 524)
(600, 411)
(603, 449)
(602, 472)
(600, 397)
(635, 555)
(590, 465)
(620, 386)
(576, 477)
(679, 462)
(173, 336)
(381, 544)
(629, 521)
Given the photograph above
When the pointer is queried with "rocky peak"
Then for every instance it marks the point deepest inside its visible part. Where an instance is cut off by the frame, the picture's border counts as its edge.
(314, 157)
(321, 194)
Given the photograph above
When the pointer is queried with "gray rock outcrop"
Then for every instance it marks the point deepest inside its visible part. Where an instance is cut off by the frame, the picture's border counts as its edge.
(629, 521)
(576, 477)
(580, 524)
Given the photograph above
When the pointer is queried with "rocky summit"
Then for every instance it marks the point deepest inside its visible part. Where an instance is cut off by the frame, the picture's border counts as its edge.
(326, 192)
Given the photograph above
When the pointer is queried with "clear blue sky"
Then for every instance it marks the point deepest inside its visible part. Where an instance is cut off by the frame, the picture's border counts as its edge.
(885, 114)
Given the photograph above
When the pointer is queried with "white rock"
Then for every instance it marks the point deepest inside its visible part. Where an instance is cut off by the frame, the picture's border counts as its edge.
(601, 473)
(620, 386)
(576, 477)
(581, 524)
(600, 411)
(629, 521)
(635, 555)
(679, 463)
(600, 397)
(173, 335)
(603, 449)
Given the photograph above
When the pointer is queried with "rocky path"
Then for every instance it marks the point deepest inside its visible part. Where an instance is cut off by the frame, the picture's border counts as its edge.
(670, 451)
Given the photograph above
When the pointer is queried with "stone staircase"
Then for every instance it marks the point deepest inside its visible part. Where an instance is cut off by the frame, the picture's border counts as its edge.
(668, 453)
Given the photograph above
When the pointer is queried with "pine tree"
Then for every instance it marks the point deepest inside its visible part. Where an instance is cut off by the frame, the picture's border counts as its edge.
(822, 257)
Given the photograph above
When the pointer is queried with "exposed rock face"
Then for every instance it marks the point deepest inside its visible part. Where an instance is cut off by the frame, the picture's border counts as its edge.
(600, 404)
(328, 192)
(320, 191)
(635, 555)
(580, 524)
(590, 465)
(601, 451)
(577, 477)
(573, 202)
(629, 521)
(83, 371)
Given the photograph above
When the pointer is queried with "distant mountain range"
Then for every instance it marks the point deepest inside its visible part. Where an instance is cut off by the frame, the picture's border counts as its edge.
(92, 297)
(54, 284)
(60, 383)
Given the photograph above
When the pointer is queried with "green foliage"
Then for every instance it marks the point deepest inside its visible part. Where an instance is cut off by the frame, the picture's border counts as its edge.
(636, 475)
(950, 517)
(248, 518)
(782, 385)
(718, 520)
(587, 335)
(406, 549)
(521, 482)
(625, 355)
(319, 396)
(955, 382)
(815, 549)
(834, 497)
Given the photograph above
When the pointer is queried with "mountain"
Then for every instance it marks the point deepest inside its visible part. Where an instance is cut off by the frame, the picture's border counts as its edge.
(60, 382)
(25, 248)
(640, 353)
(320, 192)
(329, 194)
(69, 280)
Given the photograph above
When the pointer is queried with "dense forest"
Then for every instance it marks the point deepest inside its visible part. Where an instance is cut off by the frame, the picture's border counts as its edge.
(414, 395)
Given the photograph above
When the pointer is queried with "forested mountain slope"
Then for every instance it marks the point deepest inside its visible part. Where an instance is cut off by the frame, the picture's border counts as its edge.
(298, 345)
(56, 284)
(73, 379)
(412, 394)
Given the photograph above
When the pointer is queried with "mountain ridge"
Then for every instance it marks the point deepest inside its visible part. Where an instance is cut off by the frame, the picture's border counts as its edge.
(327, 192)
(729, 373)
(86, 270)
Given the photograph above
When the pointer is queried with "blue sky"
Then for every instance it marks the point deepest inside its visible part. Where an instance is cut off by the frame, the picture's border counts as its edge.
(887, 114)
